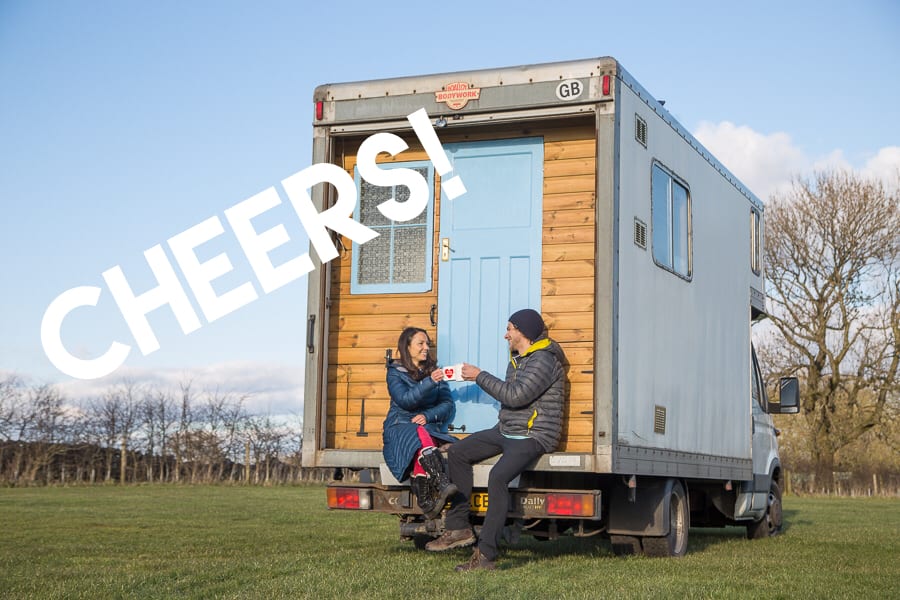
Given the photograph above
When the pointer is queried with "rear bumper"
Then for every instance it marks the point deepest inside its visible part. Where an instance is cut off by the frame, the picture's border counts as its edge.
(525, 503)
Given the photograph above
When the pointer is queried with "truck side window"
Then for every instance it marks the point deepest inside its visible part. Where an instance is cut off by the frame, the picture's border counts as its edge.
(759, 393)
(671, 212)
(399, 259)
(755, 242)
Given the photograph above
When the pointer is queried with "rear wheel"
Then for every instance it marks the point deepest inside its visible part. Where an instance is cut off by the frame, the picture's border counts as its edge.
(675, 542)
(771, 523)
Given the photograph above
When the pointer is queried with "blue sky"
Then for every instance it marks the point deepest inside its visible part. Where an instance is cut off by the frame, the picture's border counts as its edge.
(125, 123)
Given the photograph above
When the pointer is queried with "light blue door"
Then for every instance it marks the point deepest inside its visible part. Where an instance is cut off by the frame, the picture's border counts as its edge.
(490, 262)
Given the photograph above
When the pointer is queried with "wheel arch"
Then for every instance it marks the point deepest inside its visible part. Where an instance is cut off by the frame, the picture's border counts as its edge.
(646, 515)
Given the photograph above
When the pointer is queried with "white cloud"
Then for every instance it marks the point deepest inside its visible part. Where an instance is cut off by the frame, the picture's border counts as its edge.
(269, 389)
(885, 165)
(766, 163)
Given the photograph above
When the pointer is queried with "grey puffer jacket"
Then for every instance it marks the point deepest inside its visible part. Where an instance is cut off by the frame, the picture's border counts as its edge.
(532, 398)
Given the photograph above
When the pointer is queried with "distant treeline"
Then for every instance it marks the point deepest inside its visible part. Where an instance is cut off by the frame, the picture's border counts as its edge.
(30, 463)
(136, 433)
(140, 434)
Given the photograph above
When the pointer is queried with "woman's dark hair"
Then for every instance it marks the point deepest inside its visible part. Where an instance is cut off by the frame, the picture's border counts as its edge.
(422, 371)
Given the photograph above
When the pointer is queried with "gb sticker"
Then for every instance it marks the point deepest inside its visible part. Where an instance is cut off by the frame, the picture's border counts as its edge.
(569, 89)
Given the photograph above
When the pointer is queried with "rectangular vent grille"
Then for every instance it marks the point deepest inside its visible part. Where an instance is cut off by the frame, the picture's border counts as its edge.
(640, 233)
(640, 130)
(659, 419)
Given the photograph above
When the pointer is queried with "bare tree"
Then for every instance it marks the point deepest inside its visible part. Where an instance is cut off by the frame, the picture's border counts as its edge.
(222, 415)
(10, 400)
(166, 417)
(156, 417)
(833, 271)
(113, 417)
(46, 431)
(185, 423)
(267, 442)
(9, 409)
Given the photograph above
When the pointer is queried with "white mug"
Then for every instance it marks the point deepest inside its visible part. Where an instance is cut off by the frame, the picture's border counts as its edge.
(453, 372)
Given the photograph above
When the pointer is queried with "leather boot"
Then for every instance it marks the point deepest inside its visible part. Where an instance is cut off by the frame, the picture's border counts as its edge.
(442, 487)
(421, 489)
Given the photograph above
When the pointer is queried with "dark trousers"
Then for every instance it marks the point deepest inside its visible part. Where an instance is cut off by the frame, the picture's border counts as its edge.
(516, 455)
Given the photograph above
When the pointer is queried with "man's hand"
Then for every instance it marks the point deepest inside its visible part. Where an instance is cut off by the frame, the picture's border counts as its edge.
(470, 372)
(419, 420)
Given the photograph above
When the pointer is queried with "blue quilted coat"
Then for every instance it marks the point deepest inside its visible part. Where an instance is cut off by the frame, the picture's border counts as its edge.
(408, 399)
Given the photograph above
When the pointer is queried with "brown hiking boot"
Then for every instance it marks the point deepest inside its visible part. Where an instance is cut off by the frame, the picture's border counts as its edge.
(452, 538)
(478, 561)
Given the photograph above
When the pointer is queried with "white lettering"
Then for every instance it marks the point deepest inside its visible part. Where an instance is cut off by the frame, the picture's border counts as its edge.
(258, 245)
(337, 218)
(51, 326)
(418, 186)
(200, 275)
(135, 309)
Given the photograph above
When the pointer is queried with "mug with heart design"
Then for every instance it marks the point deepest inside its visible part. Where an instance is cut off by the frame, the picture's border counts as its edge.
(453, 373)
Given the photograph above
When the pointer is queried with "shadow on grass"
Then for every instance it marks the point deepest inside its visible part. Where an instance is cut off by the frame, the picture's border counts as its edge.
(791, 519)
(529, 549)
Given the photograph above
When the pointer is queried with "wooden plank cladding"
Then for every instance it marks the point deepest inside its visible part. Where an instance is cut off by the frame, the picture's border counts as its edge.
(362, 326)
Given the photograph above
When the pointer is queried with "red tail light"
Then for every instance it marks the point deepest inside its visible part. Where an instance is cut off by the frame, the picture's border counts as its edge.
(349, 498)
(320, 110)
(606, 85)
(570, 505)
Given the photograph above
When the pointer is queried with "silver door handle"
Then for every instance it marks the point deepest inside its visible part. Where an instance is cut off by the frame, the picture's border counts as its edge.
(446, 249)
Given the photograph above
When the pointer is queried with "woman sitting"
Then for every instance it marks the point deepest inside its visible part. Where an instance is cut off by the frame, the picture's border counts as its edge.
(420, 410)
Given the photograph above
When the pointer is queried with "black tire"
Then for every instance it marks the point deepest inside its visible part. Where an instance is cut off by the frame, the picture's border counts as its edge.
(625, 545)
(420, 539)
(673, 544)
(771, 523)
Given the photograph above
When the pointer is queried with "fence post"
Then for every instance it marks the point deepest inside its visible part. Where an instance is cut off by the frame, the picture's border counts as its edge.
(247, 462)
(124, 462)
(874, 484)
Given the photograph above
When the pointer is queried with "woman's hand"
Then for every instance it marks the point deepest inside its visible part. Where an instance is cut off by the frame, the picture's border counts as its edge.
(437, 375)
(419, 420)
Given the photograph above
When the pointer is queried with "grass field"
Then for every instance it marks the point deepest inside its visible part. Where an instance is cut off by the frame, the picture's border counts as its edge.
(280, 542)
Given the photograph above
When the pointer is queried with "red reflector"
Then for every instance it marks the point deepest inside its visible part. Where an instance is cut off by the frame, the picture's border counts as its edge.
(320, 110)
(344, 498)
(570, 505)
(606, 83)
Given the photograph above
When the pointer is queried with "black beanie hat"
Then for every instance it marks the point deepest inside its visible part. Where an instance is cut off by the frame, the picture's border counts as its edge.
(529, 322)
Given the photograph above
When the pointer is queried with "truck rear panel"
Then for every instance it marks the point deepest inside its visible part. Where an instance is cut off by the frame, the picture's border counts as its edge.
(594, 276)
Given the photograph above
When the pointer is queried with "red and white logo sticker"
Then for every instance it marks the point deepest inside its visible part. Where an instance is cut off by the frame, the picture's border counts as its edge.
(456, 95)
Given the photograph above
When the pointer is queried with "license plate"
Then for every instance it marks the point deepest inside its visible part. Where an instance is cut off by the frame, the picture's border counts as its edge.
(478, 502)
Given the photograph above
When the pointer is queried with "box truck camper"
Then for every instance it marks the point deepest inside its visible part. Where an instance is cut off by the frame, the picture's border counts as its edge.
(566, 188)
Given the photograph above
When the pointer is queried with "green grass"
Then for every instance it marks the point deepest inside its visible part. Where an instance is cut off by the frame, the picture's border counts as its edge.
(280, 542)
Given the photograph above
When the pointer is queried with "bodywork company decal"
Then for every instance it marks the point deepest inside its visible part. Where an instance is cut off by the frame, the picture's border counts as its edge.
(457, 95)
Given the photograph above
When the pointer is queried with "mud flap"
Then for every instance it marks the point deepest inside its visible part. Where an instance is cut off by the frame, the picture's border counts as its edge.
(647, 515)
